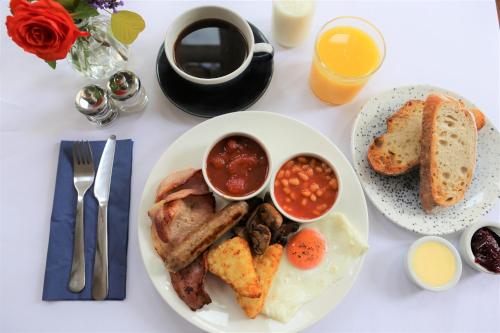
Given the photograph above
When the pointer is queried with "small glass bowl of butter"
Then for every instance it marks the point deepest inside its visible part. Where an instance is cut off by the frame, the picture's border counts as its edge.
(433, 263)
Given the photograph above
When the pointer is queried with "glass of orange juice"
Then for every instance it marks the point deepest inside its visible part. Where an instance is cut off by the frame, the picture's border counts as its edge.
(348, 51)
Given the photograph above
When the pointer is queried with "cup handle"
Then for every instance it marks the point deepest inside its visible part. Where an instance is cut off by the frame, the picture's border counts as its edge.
(263, 51)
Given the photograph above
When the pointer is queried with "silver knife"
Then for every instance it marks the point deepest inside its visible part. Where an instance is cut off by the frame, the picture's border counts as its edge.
(101, 192)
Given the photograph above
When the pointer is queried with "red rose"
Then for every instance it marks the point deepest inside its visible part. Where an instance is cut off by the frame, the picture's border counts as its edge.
(43, 28)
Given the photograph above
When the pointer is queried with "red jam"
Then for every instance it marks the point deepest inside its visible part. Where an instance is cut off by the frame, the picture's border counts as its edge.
(485, 245)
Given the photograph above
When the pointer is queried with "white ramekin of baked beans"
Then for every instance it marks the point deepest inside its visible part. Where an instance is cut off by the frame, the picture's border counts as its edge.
(305, 187)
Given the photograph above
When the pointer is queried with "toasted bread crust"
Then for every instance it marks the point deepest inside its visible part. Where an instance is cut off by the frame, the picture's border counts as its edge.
(428, 127)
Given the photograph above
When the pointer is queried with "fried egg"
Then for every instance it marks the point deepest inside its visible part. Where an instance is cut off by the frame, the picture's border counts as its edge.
(320, 254)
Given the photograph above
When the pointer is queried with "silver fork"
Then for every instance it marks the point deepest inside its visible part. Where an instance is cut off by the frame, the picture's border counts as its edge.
(83, 177)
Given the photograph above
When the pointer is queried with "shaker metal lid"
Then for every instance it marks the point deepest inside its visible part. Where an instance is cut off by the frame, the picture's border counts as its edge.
(123, 84)
(91, 100)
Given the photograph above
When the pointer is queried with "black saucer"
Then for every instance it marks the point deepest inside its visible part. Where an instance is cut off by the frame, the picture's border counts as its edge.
(210, 101)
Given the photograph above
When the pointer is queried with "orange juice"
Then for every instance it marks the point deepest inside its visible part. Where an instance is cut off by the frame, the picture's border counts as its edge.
(345, 58)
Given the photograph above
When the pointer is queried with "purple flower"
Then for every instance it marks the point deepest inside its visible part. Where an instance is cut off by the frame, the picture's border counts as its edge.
(105, 4)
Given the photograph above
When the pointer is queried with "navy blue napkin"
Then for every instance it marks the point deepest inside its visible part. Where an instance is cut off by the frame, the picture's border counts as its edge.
(62, 225)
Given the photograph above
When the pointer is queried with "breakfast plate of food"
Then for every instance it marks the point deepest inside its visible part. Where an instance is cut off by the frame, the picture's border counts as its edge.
(253, 222)
(427, 158)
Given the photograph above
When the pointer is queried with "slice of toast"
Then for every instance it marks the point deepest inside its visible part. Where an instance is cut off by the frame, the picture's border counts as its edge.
(448, 152)
(398, 150)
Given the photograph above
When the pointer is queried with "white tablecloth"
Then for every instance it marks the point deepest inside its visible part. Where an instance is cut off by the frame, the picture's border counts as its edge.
(454, 45)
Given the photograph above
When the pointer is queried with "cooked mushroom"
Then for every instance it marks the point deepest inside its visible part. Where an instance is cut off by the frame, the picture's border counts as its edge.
(260, 237)
(269, 216)
(281, 236)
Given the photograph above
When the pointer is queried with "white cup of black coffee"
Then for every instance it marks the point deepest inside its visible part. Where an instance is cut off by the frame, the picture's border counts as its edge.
(212, 45)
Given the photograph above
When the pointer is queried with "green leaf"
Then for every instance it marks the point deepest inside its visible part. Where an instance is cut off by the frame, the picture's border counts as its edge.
(70, 5)
(126, 26)
(83, 10)
(51, 64)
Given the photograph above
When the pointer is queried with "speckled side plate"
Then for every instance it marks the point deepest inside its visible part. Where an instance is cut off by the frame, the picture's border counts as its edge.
(397, 197)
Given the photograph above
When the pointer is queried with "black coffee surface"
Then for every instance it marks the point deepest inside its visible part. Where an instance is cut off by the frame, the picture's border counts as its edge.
(210, 48)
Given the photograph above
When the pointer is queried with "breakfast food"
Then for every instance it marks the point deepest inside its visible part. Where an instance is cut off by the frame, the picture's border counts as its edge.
(266, 266)
(448, 152)
(181, 184)
(305, 187)
(294, 286)
(485, 246)
(173, 221)
(189, 283)
(237, 166)
(200, 239)
(398, 150)
(433, 264)
(232, 262)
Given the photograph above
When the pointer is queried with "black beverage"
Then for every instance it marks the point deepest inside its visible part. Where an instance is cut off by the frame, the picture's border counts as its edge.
(210, 48)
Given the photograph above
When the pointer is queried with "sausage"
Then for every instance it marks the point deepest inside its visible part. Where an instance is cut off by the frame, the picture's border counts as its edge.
(198, 241)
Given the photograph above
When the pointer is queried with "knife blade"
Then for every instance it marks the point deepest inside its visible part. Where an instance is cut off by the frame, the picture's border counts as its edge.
(102, 185)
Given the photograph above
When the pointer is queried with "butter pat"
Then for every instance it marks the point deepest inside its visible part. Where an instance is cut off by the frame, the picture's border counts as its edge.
(434, 264)
(292, 20)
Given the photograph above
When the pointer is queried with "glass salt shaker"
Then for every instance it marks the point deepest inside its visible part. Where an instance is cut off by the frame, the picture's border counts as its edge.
(94, 102)
(127, 91)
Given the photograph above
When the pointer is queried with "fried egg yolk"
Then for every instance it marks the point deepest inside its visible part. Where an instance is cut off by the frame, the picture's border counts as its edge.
(306, 249)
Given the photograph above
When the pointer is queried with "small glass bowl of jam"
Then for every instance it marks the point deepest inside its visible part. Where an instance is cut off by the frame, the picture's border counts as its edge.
(480, 247)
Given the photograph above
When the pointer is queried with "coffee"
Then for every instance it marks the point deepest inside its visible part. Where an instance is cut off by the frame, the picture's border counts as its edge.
(210, 48)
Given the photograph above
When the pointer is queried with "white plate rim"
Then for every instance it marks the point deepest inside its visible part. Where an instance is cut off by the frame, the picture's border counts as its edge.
(364, 208)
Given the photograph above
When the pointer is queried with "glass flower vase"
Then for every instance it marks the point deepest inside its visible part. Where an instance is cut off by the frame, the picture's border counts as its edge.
(99, 55)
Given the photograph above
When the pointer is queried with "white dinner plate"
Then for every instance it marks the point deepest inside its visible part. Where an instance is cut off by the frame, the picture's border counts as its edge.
(283, 136)
(398, 197)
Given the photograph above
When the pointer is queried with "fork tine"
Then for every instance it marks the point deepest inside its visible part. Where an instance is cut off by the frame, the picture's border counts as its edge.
(88, 153)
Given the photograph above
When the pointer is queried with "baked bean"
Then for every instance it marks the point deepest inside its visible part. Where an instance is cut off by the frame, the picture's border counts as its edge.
(293, 195)
(310, 172)
(328, 170)
(302, 159)
(294, 181)
(287, 190)
(288, 173)
(313, 197)
(305, 166)
(306, 193)
(290, 164)
(288, 200)
(319, 193)
(321, 207)
(296, 169)
(284, 182)
(276, 183)
(303, 176)
(314, 187)
(281, 174)
(316, 212)
(318, 169)
(334, 184)
(304, 202)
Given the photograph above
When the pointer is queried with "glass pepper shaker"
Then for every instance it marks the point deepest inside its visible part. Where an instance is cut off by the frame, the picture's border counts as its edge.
(126, 89)
(94, 102)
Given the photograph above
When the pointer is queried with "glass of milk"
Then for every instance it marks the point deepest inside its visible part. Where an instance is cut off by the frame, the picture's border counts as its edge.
(292, 20)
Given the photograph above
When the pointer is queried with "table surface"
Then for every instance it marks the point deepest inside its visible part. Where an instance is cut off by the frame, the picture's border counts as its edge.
(454, 45)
